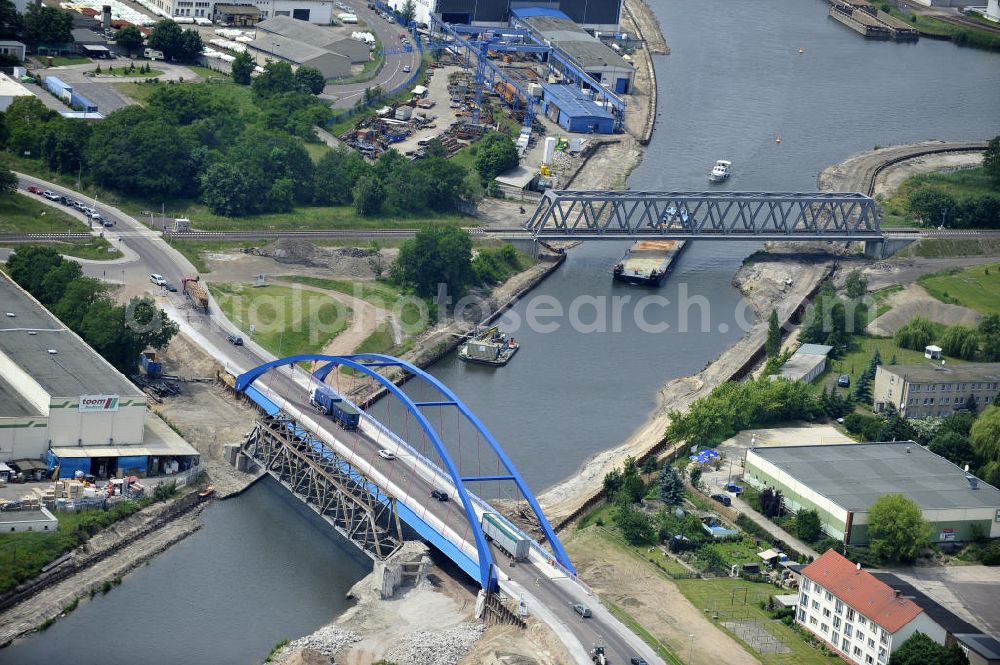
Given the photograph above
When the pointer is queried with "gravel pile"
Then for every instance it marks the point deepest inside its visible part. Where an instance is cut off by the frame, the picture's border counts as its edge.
(435, 647)
(352, 262)
(291, 250)
(328, 640)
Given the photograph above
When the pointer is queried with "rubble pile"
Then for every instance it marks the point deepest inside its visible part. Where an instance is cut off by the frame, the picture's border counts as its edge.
(435, 647)
(328, 640)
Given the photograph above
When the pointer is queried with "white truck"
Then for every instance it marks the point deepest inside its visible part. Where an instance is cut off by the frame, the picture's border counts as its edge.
(507, 538)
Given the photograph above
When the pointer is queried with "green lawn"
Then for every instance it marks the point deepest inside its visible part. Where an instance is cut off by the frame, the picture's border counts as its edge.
(856, 361)
(285, 320)
(977, 287)
(960, 184)
(726, 595)
(316, 151)
(63, 61)
(21, 213)
(95, 249)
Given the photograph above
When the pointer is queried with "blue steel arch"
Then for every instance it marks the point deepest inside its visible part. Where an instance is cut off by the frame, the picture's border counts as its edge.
(487, 576)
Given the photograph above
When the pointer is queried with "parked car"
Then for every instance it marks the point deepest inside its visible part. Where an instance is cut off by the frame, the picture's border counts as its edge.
(439, 495)
(844, 381)
(637, 660)
(168, 286)
(235, 339)
(66, 201)
(723, 499)
(50, 195)
(80, 205)
(734, 488)
(107, 223)
(406, 69)
(157, 279)
(386, 454)
(35, 190)
(583, 610)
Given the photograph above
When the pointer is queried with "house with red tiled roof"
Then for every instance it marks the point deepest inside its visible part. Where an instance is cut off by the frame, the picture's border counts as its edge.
(861, 618)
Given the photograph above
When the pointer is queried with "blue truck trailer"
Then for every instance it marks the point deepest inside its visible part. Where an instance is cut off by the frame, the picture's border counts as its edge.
(58, 88)
(329, 403)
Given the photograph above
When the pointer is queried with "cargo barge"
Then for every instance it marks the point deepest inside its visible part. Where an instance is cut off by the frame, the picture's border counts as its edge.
(647, 262)
(489, 347)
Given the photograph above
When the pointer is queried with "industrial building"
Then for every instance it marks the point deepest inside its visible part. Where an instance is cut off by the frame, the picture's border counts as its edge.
(301, 43)
(918, 391)
(64, 405)
(862, 619)
(590, 54)
(604, 16)
(574, 110)
(11, 90)
(808, 362)
(841, 482)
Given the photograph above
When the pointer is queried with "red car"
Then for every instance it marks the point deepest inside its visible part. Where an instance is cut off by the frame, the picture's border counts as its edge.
(35, 190)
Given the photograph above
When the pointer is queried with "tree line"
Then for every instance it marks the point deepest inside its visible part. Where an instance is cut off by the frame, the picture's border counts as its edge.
(118, 332)
(979, 343)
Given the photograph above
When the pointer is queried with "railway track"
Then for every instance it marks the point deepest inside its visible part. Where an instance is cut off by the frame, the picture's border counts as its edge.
(974, 147)
(264, 235)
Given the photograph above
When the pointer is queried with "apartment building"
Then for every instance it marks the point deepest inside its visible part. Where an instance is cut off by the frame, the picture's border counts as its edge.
(918, 391)
(862, 619)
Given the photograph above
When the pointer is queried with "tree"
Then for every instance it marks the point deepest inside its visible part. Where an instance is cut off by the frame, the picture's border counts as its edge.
(436, 255)
(408, 12)
(634, 524)
(129, 39)
(176, 44)
(991, 159)
(808, 526)
(8, 181)
(930, 204)
(55, 283)
(962, 342)
(310, 79)
(47, 25)
(919, 649)
(242, 68)
(773, 344)
(63, 144)
(771, 502)
(915, 334)
(228, 189)
(897, 529)
(856, 285)
(695, 477)
(10, 20)
(954, 447)
(29, 265)
(277, 78)
(985, 438)
(496, 154)
(671, 486)
(368, 196)
(336, 174)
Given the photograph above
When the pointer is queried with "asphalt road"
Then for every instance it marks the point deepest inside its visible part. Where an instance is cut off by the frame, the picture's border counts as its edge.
(391, 75)
(555, 593)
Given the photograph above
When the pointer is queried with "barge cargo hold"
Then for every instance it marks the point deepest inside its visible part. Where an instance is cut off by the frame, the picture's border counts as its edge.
(648, 261)
(490, 347)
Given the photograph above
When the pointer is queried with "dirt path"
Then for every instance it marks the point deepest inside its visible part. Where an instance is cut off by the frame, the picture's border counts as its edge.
(365, 318)
(654, 601)
(855, 172)
(915, 301)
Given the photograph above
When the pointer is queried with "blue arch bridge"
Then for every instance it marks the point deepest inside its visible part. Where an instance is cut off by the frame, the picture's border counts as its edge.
(370, 480)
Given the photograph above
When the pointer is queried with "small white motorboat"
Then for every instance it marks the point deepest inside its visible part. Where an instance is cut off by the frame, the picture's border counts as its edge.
(721, 171)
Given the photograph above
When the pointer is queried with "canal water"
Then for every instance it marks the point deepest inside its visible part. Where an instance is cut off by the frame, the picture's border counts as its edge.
(734, 82)
(263, 568)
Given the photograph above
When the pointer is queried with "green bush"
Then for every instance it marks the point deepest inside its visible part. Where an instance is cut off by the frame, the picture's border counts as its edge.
(991, 554)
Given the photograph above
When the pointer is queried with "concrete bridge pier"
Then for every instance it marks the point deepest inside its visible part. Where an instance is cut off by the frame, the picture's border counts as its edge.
(886, 247)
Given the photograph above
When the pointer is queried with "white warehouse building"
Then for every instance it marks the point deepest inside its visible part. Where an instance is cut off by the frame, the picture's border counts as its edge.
(63, 404)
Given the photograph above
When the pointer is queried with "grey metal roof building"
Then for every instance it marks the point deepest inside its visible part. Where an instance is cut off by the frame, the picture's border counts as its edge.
(808, 362)
(55, 389)
(603, 15)
(302, 43)
(841, 482)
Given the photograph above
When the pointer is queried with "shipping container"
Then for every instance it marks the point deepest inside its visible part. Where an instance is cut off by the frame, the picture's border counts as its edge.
(505, 536)
(329, 403)
(58, 88)
(151, 364)
(81, 103)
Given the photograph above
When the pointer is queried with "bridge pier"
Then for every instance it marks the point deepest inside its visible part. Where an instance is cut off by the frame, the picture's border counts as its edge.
(886, 247)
